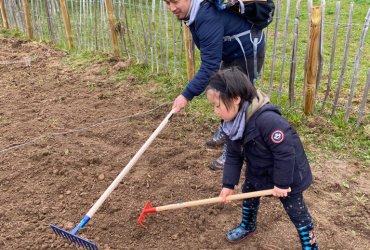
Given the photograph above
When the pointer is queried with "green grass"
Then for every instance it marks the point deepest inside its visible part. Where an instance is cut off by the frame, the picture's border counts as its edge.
(80, 59)
(12, 33)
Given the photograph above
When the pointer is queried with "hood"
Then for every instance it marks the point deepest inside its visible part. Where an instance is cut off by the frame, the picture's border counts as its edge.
(193, 11)
(257, 103)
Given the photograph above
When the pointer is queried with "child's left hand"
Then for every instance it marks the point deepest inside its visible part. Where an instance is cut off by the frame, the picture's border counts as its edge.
(278, 192)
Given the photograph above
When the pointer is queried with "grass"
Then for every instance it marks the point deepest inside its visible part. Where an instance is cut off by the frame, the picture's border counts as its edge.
(12, 33)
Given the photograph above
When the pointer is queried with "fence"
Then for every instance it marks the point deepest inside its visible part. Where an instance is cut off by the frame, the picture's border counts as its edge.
(149, 34)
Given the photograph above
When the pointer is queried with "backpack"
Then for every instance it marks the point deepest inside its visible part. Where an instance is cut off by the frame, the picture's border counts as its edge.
(258, 12)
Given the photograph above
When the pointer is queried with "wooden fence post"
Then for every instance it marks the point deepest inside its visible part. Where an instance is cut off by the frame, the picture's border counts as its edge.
(189, 51)
(313, 61)
(27, 17)
(67, 24)
(3, 15)
(112, 26)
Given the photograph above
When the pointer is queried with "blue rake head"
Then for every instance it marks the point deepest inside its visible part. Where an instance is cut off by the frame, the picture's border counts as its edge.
(72, 237)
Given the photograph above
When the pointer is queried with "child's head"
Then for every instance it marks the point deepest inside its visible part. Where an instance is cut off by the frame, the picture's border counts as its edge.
(227, 90)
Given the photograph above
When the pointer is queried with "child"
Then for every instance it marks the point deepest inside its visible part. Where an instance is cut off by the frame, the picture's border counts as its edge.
(272, 149)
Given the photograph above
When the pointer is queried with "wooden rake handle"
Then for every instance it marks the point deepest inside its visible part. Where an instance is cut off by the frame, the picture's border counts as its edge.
(215, 200)
(127, 168)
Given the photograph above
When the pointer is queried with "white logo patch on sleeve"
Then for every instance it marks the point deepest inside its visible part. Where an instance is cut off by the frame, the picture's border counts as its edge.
(277, 136)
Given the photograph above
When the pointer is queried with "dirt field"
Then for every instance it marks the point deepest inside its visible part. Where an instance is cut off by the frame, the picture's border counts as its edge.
(47, 177)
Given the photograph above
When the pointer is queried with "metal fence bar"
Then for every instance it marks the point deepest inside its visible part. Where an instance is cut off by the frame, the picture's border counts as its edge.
(174, 44)
(150, 42)
(275, 46)
(161, 7)
(155, 36)
(144, 32)
(361, 111)
(333, 46)
(283, 50)
(128, 30)
(344, 62)
(357, 65)
(321, 51)
(293, 63)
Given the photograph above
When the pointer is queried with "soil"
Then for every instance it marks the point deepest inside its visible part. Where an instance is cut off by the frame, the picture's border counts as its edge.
(66, 133)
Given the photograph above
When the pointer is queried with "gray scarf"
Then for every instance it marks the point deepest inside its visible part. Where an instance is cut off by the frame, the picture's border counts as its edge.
(193, 11)
(235, 128)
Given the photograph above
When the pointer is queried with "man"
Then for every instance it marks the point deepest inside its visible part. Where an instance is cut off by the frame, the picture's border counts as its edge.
(224, 40)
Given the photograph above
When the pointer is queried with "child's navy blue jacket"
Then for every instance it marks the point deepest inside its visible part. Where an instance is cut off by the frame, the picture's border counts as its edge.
(273, 152)
(208, 30)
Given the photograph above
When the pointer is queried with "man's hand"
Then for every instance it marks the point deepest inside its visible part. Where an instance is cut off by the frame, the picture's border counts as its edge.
(278, 192)
(179, 103)
(226, 192)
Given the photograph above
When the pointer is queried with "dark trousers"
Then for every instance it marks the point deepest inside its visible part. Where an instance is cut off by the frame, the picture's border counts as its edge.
(293, 204)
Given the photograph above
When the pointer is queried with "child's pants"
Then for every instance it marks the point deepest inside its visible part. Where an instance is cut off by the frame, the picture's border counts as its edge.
(293, 204)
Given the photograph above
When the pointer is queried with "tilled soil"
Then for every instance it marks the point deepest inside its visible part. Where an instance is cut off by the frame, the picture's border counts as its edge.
(67, 133)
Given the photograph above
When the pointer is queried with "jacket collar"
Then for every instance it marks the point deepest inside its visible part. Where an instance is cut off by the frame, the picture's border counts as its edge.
(251, 131)
(193, 11)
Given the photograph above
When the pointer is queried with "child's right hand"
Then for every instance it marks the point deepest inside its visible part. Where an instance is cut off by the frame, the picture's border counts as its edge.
(224, 193)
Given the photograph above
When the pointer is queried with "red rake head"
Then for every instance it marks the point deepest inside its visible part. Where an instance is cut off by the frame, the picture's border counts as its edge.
(148, 209)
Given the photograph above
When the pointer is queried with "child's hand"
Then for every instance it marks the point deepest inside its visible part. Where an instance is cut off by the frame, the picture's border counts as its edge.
(226, 192)
(278, 192)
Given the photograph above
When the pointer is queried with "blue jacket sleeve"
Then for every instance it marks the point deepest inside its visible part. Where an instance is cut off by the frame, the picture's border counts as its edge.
(279, 137)
(209, 30)
(233, 164)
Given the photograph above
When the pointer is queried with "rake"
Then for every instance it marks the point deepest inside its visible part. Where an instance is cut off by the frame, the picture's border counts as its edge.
(148, 209)
(72, 235)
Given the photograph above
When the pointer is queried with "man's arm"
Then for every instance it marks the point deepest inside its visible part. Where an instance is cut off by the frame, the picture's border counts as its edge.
(209, 29)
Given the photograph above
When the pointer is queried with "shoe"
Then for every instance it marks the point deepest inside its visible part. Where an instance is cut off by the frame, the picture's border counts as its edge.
(308, 237)
(239, 233)
(218, 139)
(219, 163)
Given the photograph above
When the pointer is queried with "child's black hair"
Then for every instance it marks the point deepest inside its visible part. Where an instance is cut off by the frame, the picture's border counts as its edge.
(232, 83)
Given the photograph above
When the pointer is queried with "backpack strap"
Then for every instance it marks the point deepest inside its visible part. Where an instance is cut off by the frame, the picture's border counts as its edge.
(241, 6)
(236, 37)
(255, 43)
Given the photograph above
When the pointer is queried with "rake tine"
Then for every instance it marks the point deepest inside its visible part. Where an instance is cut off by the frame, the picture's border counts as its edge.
(73, 238)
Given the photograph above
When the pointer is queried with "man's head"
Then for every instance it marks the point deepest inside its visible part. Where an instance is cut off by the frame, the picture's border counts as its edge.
(180, 8)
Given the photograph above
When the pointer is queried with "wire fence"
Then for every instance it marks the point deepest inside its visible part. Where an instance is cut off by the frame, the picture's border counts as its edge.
(148, 33)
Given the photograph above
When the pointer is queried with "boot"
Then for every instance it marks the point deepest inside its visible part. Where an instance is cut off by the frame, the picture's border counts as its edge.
(219, 163)
(246, 228)
(218, 139)
(308, 237)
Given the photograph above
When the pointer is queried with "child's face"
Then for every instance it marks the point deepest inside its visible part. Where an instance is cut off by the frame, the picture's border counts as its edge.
(219, 106)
